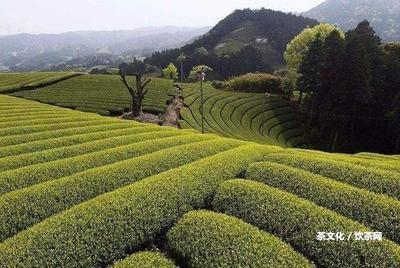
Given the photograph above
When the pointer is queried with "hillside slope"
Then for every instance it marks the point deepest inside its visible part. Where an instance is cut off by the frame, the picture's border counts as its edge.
(243, 33)
(81, 190)
(246, 116)
(26, 52)
(384, 15)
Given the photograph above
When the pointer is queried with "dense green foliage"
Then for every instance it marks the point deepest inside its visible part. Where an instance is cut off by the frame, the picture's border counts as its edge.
(298, 221)
(257, 83)
(352, 101)
(208, 239)
(146, 259)
(81, 190)
(376, 211)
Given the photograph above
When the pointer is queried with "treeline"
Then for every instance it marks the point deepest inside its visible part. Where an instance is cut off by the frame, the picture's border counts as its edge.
(278, 27)
(352, 91)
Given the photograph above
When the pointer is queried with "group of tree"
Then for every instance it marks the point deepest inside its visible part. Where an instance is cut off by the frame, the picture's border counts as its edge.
(351, 87)
(277, 27)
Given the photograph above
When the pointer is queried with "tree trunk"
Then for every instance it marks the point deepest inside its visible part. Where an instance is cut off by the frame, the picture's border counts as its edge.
(396, 148)
(301, 96)
(136, 108)
(334, 141)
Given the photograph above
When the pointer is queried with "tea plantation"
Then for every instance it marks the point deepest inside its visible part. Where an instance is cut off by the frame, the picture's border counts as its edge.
(82, 190)
(12, 82)
(245, 116)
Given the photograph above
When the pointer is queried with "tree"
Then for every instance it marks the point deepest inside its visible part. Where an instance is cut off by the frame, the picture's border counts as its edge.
(171, 71)
(329, 101)
(310, 69)
(198, 70)
(137, 93)
(299, 46)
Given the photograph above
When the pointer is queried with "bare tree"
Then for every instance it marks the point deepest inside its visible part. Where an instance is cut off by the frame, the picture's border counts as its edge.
(137, 93)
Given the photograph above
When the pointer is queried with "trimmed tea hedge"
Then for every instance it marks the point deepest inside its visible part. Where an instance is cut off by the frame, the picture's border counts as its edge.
(12, 180)
(145, 259)
(376, 180)
(376, 211)
(43, 200)
(208, 239)
(98, 231)
(119, 138)
(298, 221)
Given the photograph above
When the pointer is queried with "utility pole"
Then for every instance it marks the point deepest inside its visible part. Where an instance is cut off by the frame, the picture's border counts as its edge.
(202, 78)
(181, 59)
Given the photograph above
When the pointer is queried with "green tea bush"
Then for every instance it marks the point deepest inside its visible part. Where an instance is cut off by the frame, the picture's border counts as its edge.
(43, 200)
(15, 179)
(119, 138)
(378, 212)
(98, 232)
(82, 128)
(298, 221)
(145, 259)
(93, 134)
(73, 122)
(256, 83)
(372, 179)
(208, 239)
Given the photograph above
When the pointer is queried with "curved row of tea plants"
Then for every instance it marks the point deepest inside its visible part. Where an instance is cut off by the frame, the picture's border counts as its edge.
(13, 82)
(81, 190)
(251, 117)
(102, 94)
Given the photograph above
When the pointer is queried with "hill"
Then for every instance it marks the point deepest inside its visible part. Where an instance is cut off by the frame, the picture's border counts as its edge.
(246, 40)
(245, 116)
(26, 52)
(384, 15)
(81, 190)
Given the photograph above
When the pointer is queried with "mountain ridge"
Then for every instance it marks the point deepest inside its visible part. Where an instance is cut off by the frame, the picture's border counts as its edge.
(384, 15)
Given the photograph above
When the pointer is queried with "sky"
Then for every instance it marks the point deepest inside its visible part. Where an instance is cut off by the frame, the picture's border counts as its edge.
(55, 16)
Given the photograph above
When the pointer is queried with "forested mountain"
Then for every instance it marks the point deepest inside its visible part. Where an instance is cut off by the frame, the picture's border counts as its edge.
(384, 15)
(25, 52)
(247, 40)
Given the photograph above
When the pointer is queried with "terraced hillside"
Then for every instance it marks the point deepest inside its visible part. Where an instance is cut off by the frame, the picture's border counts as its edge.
(102, 94)
(81, 190)
(252, 117)
(12, 82)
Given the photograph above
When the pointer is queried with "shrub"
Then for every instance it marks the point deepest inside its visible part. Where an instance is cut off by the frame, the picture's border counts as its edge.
(376, 211)
(105, 140)
(218, 84)
(298, 221)
(208, 239)
(43, 200)
(384, 182)
(92, 134)
(256, 83)
(145, 259)
(99, 231)
(82, 128)
(12, 180)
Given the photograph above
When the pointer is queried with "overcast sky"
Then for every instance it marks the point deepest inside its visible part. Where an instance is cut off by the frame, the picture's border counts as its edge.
(56, 16)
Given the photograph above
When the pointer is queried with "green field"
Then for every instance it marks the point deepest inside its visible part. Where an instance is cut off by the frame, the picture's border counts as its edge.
(12, 82)
(81, 190)
(251, 117)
